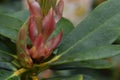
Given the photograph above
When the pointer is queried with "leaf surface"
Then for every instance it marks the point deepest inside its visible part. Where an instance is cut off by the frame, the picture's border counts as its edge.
(9, 26)
(93, 64)
(101, 27)
(63, 25)
(93, 54)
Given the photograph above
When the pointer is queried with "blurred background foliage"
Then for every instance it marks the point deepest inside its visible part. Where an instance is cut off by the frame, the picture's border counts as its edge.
(75, 10)
(10, 6)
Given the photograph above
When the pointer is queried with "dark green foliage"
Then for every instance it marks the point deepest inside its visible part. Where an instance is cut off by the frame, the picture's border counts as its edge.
(87, 51)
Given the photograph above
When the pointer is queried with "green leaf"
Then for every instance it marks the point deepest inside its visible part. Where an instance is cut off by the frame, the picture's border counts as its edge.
(95, 64)
(93, 54)
(9, 26)
(86, 77)
(7, 65)
(21, 15)
(7, 75)
(75, 77)
(7, 45)
(4, 47)
(63, 25)
(5, 56)
(101, 27)
(117, 41)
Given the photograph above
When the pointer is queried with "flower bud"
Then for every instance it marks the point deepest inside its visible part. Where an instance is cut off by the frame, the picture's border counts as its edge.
(41, 25)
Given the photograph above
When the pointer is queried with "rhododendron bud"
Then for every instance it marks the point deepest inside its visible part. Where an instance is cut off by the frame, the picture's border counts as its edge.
(48, 24)
(41, 49)
(34, 8)
(46, 5)
(32, 29)
(39, 28)
(59, 10)
(22, 50)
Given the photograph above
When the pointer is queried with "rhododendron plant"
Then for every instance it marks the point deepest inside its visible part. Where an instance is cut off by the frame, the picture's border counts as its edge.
(40, 44)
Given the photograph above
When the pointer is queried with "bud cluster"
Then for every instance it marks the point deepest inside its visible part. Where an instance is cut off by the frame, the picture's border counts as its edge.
(44, 14)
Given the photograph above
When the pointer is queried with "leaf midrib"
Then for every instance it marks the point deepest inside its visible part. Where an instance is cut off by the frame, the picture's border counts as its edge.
(87, 35)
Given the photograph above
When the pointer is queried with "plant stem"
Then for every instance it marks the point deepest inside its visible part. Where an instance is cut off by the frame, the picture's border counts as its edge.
(34, 78)
(19, 72)
(46, 63)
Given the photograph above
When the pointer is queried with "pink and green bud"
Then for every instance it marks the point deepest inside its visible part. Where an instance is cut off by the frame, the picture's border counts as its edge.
(34, 8)
(42, 46)
(40, 26)
(46, 5)
(22, 50)
(59, 10)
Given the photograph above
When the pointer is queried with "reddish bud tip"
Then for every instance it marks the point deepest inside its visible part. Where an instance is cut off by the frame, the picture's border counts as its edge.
(53, 43)
(59, 10)
(34, 8)
(32, 29)
(48, 24)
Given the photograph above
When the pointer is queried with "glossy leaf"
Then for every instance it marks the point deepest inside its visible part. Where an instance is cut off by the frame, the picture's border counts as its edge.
(93, 54)
(63, 25)
(101, 27)
(9, 26)
(94, 64)
(21, 15)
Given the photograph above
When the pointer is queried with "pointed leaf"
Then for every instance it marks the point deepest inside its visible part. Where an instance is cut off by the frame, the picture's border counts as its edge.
(93, 54)
(95, 64)
(101, 27)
